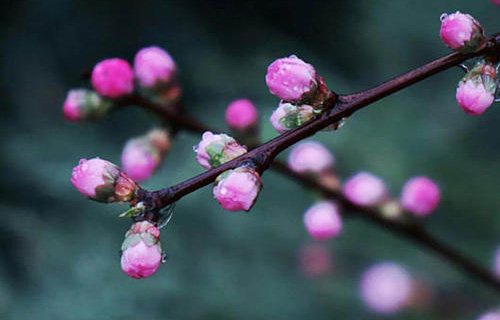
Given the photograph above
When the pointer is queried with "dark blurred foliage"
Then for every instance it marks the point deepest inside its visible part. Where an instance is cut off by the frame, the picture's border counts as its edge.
(59, 252)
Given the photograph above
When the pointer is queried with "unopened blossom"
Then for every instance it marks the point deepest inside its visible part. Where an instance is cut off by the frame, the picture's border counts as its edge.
(237, 190)
(461, 32)
(82, 104)
(311, 157)
(216, 149)
(315, 260)
(141, 252)
(291, 79)
(153, 67)
(323, 221)
(476, 91)
(102, 181)
(492, 315)
(113, 78)
(420, 196)
(365, 189)
(386, 287)
(241, 114)
(288, 116)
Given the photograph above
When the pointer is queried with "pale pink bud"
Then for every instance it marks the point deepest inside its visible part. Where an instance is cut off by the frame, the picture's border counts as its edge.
(237, 189)
(291, 79)
(113, 78)
(102, 181)
(461, 32)
(365, 189)
(420, 196)
(140, 159)
(81, 104)
(288, 116)
(241, 114)
(493, 315)
(476, 91)
(141, 250)
(315, 260)
(216, 149)
(310, 157)
(323, 221)
(153, 67)
(386, 287)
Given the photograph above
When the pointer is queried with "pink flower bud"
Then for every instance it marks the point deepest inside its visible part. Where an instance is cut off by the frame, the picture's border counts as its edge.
(102, 181)
(420, 196)
(365, 189)
(476, 91)
(81, 104)
(141, 250)
(237, 189)
(113, 78)
(288, 116)
(216, 149)
(386, 287)
(493, 315)
(160, 139)
(153, 67)
(322, 220)
(310, 157)
(315, 260)
(241, 114)
(140, 159)
(461, 32)
(291, 79)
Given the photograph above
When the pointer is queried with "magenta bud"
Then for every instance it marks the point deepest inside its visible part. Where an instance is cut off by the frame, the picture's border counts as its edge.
(288, 116)
(420, 196)
(461, 32)
(216, 149)
(153, 67)
(310, 157)
(102, 181)
(141, 250)
(241, 114)
(113, 78)
(365, 189)
(82, 104)
(476, 91)
(291, 79)
(386, 287)
(323, 221)
(237, 190)
(492, 315)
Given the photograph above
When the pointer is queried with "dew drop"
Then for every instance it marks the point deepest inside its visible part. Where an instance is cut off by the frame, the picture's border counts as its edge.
(164, 257)
(195, 148)
(340, 123)
(443, 16)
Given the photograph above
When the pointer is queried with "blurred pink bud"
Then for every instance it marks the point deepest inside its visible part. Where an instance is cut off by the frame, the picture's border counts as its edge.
(386, 287)
(493, 315)
(141, 250)
(139, 159)
(461, 32)
(496, 262)
(323, 221)
(237, 189)
(314, 260)
(497, 2)
(310, 157)
(81, 104)
(365, 189)
(160, 139)
(153, 67)
(288, 116)
(216, 149)
(291, 79)
(102, 181)
(241, 114)
(113, 78)
(420, 196)
(476, 91)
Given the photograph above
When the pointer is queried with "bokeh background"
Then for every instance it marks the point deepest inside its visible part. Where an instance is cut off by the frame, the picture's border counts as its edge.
(59, 252)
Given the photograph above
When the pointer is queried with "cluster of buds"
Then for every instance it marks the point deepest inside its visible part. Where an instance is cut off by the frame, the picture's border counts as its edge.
(301, 90)
(142, 155)
(154, 73)
(141, 252)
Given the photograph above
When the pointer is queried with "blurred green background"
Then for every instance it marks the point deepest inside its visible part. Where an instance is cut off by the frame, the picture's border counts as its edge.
(59, 252)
